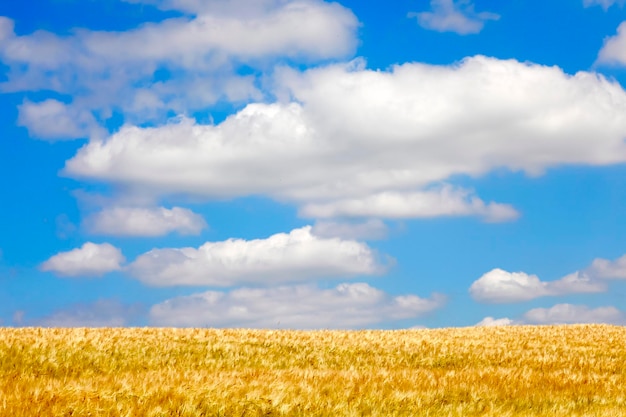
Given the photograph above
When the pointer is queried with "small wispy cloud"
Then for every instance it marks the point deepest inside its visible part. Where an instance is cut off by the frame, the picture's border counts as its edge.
(604, 3)
(450, 16)
(446, 201)
(54, 120)
(613, 51)
(101, 313)
(145, 221)
(562, 314)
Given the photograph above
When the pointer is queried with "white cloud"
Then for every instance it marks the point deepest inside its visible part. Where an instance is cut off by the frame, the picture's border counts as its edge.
(89, 260)
(141, 221)
(604, 3)
(354, 134)
(447, 201)
(313, 29)
(301, 307)
(370, 230)
(53, 120)
(570, 314)
(606, 269)
(490, 322)
(614, 49)
(453, 16)
(562, 314)
(499, 286)
(296, 256)
(102, 313)
(307, 29)
(219, 8)
(103, 70)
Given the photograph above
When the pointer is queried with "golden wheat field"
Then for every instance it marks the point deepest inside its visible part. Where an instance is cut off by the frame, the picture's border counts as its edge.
(500, 371)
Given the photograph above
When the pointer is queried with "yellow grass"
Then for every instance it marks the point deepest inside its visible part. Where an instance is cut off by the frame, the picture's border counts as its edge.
(512, 371)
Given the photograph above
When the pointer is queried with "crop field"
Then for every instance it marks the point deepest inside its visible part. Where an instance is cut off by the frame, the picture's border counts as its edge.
(499, 371)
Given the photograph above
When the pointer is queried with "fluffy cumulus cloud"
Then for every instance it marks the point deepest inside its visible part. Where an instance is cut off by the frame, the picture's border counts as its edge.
(613, 51)
(343, 136)
(141, 221)
(102, 313)
(106, 71)
(453, 16)
(499, 286)
(300, 307)
(283, 257)
(570, 314)
(91, 259)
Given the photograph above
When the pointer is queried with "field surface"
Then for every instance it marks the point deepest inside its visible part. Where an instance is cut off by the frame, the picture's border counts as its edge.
(503, 371)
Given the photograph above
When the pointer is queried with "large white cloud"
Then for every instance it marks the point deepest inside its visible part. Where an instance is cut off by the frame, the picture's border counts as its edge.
(614, 49)
(301, 307)
(106, 71)
(143, 221)
(453, 16)
(283, 257)
(91, 259)
(352, 134)
(499, 286)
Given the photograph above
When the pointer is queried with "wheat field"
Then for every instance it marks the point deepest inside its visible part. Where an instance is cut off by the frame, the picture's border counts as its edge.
(500, 371)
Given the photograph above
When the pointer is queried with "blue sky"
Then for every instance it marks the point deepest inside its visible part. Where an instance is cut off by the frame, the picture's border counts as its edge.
(309, 164)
